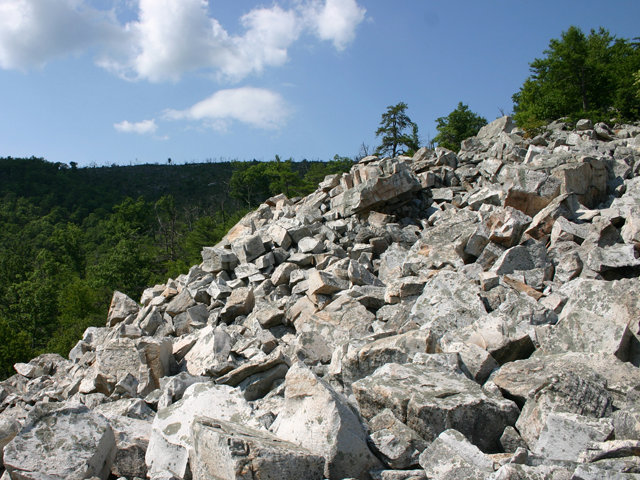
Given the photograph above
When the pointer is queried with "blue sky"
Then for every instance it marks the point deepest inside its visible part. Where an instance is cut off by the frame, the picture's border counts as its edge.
(140, 81)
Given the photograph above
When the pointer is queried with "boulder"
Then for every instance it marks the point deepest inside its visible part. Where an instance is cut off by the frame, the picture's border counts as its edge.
(231, 451)
(431, 400)
(241, 302)
(528, 190)
(565, 435)
(215, 260)
(121, 307)
(566, 393)
(448, 302)
(398, 445)
(171, 440)
(248, 248)
(211, 349)
(339, 322)
(452, 456)
(132, 440)
(361, 362)
(517, 379)
(64, 441)
(319, 419)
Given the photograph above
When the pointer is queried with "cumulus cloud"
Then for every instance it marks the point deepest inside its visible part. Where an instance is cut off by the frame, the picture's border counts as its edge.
(168, 37)
(145, 126)
(335, 20)
(256, 107)
(33, 32)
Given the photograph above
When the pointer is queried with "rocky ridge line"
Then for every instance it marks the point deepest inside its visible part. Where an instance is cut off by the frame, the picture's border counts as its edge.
(472, 315)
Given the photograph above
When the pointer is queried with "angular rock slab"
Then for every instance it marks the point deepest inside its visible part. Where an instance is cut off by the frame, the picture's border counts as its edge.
(132, 440)
(451, 456)
(566, 435)
(448, 302)
(430, 401)
(228, 451)
(121, 307)
(61, 441)
(567, 393)
(399, 446)
(211, 349)
(523, 472)
(361, 362)
(343, 320)
(517, 379)
(319, 419)
(171, 441)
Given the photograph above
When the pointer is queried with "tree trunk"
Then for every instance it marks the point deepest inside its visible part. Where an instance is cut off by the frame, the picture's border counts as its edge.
(583, 90)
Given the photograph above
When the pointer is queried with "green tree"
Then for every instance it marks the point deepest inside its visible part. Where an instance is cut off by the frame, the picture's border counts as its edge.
(582, 75)
(249, 182)
(393, 130)
(283, 178)
(460, 124)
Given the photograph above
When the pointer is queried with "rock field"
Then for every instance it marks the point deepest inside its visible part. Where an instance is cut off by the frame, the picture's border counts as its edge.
(446, 316)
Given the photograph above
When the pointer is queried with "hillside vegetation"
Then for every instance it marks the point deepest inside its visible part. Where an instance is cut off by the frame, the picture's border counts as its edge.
(71, 236)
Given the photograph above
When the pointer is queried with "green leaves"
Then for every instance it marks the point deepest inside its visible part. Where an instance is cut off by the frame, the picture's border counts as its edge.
(582, 76)
(393, 130)
(460, 124)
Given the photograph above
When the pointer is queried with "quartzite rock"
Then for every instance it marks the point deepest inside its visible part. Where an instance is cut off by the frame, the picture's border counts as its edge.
(319, 419)
(231, 451)
(171, 439)
(64, 441)
(430, 400)
(121, 307)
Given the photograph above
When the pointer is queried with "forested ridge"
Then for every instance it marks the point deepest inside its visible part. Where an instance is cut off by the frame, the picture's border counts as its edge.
(71, 236)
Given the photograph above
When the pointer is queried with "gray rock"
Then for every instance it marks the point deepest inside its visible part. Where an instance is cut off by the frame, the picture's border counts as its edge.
(511, 440)
(523, 472)
(241, 302)
(210, 350)
(430, 400)
(565, 393)
(180, 303)
(448, 302)
(215, 260)
(518, 378)
(132, 440)
(565, 435)
(493, 130)
(342, 320)
(61, 441)
(507, 226)
(528, 190)
(399, 446)
(171, 439)
(322, 283)
(451, 456)
(121, 307)
(231, 451)
(248, 248)
(359, 363)
(316, 417)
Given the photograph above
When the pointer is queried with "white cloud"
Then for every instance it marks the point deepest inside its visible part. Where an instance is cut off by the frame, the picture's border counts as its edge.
(256, 107)
(335, 20)
(32, 32)
(145, 126)
(169, 37)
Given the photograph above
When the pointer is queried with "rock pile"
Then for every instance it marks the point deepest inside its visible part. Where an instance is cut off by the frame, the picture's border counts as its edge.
(460, 316)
